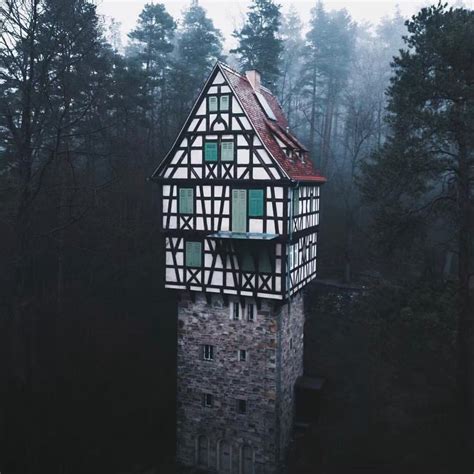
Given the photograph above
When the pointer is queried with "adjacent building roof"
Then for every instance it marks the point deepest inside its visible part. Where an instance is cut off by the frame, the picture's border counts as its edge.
(295, 168)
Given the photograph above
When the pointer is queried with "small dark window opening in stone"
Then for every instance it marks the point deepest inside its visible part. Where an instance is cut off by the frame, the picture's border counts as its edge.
(242, 355)
(208, 400)
(242, 406)
(291, 343)
(208, 352)
(235, 312)
(250, 314)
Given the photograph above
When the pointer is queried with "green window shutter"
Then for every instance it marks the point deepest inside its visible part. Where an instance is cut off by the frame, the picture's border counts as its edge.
(210, 151)
(227, 151)
(193, 254)
(213, 103)
(186, 201)
(256, 202)
(296, 202)
(224, 103)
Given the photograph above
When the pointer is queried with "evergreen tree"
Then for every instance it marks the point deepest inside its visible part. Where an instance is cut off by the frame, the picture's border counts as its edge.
(259, 44)
(289, 82)
(152, 44)
(424, 173)
(198, 47)
(330, 44)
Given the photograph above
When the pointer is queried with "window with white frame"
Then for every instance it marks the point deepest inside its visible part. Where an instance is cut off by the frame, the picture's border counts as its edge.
(235, 311)
(208, 352)
(208, 400)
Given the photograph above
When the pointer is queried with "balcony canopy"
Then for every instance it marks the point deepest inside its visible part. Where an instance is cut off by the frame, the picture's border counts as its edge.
(243, 235)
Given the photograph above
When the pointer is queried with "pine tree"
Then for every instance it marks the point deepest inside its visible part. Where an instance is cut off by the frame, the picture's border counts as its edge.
(330, 43)
(259, 44)
(424, 173)
(289, 82)
(198, 47)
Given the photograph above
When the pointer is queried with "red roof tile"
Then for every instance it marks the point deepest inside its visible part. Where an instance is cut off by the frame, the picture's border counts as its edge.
(296, 169)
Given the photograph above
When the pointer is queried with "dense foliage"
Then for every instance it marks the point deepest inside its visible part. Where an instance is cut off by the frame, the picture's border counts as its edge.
(86, 331)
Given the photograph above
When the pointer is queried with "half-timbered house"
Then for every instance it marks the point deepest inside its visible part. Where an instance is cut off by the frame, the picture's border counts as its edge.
(240, 216)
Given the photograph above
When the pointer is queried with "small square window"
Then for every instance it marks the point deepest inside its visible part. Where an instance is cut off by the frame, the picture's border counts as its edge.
(242, 355)
(241, 406)
(224, 103)
(208, 400)
(208, 352)
(250, 312)
(213, 103)
(235, 312)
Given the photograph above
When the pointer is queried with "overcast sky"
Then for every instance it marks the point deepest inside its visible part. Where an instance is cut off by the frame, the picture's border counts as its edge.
(227, 14)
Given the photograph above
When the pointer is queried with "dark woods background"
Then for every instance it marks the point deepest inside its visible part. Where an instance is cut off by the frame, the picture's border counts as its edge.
(87, 334)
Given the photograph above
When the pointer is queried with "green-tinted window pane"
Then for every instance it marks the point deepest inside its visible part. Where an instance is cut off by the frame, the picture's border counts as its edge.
(256, 202)
(193, 254)
(227, 151)
(296, 202)
(210, 151)
(247, 263)
(213, 103)
(186, 200)
(264, 265)
(224, 103)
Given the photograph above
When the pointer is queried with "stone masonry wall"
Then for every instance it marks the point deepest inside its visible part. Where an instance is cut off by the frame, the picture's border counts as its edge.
(292, 332)
(266, 427)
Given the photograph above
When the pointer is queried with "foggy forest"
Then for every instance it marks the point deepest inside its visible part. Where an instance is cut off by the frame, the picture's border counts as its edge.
(87, 330)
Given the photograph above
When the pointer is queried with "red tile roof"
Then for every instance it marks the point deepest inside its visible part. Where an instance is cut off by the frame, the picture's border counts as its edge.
(296, 169)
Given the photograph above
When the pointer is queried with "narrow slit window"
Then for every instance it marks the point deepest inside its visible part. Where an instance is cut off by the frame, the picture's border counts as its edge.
(193, 254)
(210, 151)
(256, 202)
(208, 352)
(186, 201)
(296, 202)
(250, 312)
(213, 107)
(227, 151)
(224, 103)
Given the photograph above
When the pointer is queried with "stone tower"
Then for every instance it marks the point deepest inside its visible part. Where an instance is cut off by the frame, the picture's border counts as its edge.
(240, 215)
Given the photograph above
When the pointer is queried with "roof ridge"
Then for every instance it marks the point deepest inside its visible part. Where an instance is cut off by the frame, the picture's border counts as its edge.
(243, 76)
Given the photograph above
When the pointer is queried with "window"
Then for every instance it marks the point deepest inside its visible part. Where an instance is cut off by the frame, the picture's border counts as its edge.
(311, 203)
(235, 312)
(296, 201)
(242, 355)
(241, 406)
(264, 264)
(250, 312)
(227, 151)
(208, 352)
(224, 103)
(256, 202)
(193, 254)
(213, 103)
(210, 151)
(208, 400)
(202, 451)
(186, 201)
(248, 263)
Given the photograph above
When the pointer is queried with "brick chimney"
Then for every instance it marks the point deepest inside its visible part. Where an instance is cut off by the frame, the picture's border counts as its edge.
(253, 77)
